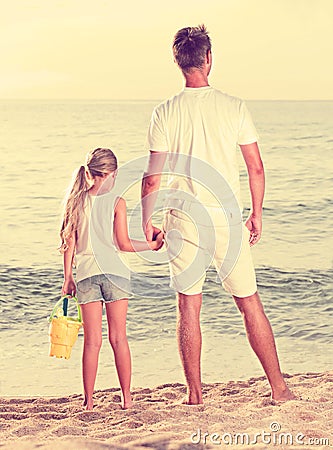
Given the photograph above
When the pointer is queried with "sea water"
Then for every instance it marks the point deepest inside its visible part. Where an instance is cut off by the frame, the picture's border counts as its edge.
(42, 142)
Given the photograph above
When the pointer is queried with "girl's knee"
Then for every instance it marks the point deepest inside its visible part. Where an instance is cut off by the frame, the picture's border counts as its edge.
(117, 339)
(93, 342)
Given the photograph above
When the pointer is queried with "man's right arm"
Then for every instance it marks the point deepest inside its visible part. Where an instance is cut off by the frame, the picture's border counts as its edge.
(255, 169)
(149, 190)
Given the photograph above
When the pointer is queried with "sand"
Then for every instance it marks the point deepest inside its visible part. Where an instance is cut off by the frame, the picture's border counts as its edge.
(158, 420)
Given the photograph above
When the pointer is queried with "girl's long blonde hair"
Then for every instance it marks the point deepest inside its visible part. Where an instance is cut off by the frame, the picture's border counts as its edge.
(98, 162)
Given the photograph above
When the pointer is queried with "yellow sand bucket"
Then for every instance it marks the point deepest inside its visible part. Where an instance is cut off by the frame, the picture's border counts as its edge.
(63, 330)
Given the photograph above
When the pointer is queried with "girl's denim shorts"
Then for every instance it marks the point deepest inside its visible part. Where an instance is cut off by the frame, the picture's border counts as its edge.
(103, 288)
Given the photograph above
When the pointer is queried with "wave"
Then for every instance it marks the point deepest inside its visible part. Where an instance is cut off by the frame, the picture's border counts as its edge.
(299, 303)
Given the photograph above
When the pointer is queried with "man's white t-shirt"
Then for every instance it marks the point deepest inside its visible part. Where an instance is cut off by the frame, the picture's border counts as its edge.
(205, 124)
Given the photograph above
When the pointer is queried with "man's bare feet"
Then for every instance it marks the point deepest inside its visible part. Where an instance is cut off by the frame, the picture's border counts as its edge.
(194, 398)
(187, 402)
(283, 395)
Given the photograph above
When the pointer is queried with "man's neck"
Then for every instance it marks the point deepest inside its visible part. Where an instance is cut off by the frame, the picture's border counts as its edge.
(196, 79)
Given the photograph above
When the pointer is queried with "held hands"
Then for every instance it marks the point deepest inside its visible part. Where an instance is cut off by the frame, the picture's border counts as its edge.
(150, 231)
(68, 287)
(154, 236)
(254, 225)
(157, 241)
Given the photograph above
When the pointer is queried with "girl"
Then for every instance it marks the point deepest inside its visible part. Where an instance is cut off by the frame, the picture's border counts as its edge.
(94, 228)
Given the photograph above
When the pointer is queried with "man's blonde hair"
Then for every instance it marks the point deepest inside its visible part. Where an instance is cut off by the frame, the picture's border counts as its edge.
(190, 47)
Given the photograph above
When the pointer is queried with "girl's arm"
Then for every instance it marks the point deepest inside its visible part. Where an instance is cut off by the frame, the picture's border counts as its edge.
(69, 286)
(120, 233)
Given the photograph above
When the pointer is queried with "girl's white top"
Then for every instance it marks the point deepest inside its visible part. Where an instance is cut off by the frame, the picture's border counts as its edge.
(96, 252)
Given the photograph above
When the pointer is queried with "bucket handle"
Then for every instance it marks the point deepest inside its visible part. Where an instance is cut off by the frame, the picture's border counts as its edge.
(64, 301)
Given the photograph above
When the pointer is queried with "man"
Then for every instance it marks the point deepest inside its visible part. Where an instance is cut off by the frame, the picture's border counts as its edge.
(203, 124)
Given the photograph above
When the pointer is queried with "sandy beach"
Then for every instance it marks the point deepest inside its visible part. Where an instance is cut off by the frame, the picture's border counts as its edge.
(159, 420)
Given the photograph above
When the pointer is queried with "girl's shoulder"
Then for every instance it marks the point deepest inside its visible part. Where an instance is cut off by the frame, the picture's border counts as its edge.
(119, 203)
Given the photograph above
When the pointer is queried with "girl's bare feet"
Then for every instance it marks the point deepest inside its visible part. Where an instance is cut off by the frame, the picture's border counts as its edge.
(88, 404)
(127, 401)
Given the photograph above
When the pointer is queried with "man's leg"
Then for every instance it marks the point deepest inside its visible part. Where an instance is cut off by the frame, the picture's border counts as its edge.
(189, 343)
(261, 338)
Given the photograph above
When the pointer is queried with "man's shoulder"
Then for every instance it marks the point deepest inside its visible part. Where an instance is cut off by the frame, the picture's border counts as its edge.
(169, 101)
(223, 96)
(227, 100)
(217, 92)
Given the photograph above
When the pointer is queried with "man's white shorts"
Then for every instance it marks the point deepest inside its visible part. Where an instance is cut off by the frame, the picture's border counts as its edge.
(192, 247)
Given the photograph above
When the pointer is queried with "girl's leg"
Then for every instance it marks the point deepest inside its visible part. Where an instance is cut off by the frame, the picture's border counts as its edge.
(92, 320)
(116, 315)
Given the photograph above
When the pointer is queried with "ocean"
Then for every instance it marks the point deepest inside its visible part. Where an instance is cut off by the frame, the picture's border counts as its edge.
(42, 142)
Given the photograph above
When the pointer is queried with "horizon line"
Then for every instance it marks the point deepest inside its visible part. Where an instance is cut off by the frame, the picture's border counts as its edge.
(156, 99)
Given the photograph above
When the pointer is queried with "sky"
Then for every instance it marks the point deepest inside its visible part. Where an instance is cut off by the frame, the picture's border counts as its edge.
(107, 49)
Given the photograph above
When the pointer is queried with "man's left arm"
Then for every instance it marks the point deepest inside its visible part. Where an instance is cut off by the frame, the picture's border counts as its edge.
(255, 169)
(149, 191)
